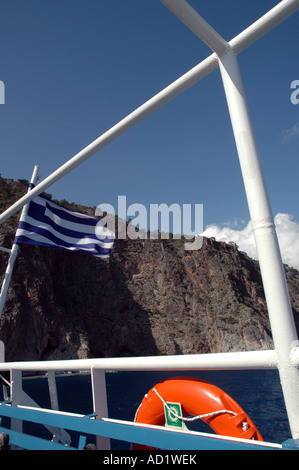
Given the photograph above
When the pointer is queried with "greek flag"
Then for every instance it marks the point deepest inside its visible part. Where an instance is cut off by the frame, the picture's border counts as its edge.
(48, 224)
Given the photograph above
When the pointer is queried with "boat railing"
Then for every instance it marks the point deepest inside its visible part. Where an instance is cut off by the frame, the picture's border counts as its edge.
(19, 406)
(285, 356)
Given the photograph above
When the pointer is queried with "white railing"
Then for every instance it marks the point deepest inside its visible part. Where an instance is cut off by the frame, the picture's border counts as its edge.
(15, 394)
(213, 361)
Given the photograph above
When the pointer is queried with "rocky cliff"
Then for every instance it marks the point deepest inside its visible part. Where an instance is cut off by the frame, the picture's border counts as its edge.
(152, 297)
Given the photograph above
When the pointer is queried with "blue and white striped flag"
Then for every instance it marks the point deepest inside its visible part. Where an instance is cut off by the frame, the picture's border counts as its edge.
(46, 223)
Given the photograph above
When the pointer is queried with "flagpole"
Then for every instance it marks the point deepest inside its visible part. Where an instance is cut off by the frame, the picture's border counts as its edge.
(14, 250)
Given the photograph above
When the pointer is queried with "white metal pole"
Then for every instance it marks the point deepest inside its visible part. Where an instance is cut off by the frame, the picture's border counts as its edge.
(276, 292)
(16, 399)
(182, 10)
(7, 276)
(170, 92)
(99, 400)
(245, 360)
(263, 25)
(278, 14)
(6, 250)
(13, 253)
(275, 287)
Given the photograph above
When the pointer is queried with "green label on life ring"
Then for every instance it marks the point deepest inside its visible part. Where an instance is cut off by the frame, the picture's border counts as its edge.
(173, 413)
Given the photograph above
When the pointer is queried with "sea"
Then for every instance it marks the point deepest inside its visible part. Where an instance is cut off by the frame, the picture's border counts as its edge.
(258, 392)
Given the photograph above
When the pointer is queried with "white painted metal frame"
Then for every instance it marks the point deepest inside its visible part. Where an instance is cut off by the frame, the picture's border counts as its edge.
(275, 287)
(285, 357)
(258, 29)
(14, 251)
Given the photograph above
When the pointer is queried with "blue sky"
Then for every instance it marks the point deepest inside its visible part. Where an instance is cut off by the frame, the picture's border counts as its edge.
(73, 68)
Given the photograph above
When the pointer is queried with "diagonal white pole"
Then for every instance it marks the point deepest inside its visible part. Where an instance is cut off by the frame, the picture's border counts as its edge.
(187, 15)
(280, 314)
(13, 255)
(182, 10)
(240, 42)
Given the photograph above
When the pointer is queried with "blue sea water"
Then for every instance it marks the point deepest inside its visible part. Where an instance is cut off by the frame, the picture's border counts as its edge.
(257, 392)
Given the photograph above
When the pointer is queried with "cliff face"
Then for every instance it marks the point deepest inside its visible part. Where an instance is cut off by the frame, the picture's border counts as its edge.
(152, 297)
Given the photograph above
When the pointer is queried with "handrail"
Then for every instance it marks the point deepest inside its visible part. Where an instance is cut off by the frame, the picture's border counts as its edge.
(285, 358)
(150, 435)
(265, 359)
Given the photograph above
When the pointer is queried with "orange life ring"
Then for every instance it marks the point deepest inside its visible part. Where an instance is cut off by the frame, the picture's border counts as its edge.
(197, 398)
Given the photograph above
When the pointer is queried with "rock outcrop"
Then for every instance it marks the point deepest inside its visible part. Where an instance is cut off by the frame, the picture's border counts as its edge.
(152, 297)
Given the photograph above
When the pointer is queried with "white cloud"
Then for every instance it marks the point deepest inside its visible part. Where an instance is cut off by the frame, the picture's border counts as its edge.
(291, 134)
(287, 231)
(288, 235)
